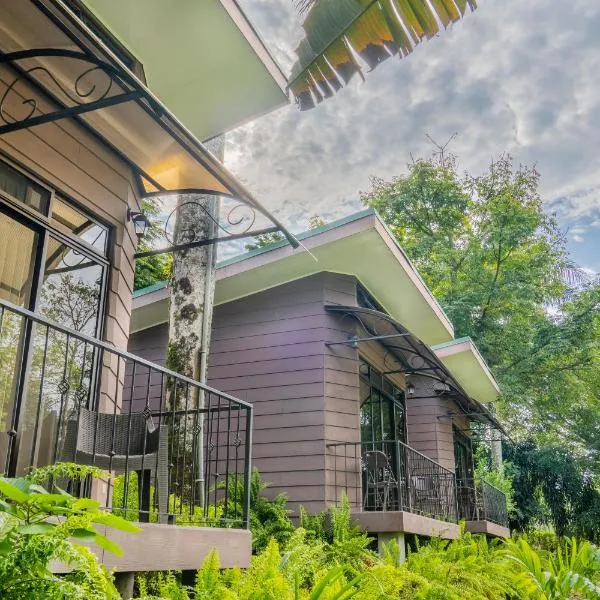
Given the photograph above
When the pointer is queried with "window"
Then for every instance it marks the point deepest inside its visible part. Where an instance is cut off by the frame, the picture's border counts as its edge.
(56, 266)
(17, 185)
(77, 223)
(382, 408)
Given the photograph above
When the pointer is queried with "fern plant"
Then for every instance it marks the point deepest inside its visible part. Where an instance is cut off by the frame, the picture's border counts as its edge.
(572, 572)
(38, 527)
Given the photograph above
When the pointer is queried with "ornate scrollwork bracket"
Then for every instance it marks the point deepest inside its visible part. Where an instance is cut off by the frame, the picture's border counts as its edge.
(235, 222)
(95, 86)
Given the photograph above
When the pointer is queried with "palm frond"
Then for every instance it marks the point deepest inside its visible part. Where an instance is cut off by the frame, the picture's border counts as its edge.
(340, 35)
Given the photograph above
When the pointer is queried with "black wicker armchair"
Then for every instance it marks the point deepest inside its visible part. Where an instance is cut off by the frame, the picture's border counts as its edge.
(123, 443)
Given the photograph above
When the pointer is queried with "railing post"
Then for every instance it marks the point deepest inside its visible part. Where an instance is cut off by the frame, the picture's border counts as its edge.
(456, 509)
(248, 467)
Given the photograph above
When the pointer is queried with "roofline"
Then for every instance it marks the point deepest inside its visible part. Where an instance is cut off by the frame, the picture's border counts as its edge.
(473, 347)
(85, 37)
(258, 45)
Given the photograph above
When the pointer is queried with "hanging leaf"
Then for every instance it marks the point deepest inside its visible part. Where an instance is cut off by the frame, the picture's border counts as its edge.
(374, 29)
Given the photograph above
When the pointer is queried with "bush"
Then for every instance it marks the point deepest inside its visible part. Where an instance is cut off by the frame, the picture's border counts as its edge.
(38, 527)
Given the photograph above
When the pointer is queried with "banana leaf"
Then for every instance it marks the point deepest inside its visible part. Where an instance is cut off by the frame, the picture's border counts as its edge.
(337, 32)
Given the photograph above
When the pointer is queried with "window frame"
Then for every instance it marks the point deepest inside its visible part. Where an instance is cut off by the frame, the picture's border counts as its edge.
(46, 226)
(370, 379)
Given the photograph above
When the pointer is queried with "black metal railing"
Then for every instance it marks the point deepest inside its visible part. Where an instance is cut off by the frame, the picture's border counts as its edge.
(391, 476)
(491, 503)
(479, 500)
(176, 451)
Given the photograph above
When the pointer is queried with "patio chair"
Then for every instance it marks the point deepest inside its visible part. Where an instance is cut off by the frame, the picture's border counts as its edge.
(120, 443)
(380, 481)
(428, 496)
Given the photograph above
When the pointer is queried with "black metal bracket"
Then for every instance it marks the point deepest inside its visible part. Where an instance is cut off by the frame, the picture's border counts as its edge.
(79, 97)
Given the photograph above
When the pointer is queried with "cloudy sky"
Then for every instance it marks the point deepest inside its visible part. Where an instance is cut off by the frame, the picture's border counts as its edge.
(522, 77)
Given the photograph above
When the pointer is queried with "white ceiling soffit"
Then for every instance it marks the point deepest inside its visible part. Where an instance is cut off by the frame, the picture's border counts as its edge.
(202, 58)
(361, 247)
(462, 358)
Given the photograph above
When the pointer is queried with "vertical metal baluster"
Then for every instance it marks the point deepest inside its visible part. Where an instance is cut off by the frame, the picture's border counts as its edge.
(173, 484)
(218, 443)
(112, 444)
(227, 478)
(237, 463)
(207, 452)
(39, 400)
(248, 467)
(142, 472)
(178, 476)
(120, 417)
(194, 450)
(185, 439)
(8, 445)
(63, 396)
(160, 432)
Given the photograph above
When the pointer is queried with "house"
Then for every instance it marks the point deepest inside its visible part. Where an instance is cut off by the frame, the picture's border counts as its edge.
(83, 140)
(358, 384)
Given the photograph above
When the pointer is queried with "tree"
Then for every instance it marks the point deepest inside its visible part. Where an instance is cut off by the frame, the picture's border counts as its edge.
(266, 239)
(496, 262)
(152, 269)
(191, 302)
(337, 31)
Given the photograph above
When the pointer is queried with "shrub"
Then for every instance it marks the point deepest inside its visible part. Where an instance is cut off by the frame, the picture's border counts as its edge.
(38, 527)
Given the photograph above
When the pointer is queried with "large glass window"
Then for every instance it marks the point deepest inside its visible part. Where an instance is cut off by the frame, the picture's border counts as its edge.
(58, 268)
(382, 409)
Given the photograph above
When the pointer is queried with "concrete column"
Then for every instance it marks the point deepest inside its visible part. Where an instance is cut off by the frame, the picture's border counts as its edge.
(386, 538)
(124, 584)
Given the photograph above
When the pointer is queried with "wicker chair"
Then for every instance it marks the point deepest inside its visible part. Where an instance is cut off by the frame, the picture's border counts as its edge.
(381, 482)
(120, 443)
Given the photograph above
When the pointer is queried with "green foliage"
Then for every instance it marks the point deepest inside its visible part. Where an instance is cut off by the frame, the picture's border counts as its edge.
(572, 572)
(265, 239)
(269, 518)
(496, 261)
(152, 269)
(37, 527)
(553, 487)
(503, 480)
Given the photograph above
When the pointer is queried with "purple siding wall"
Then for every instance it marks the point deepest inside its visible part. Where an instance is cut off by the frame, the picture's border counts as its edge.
(271, 349)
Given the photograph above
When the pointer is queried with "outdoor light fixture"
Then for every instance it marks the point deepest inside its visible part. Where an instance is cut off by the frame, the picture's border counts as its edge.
(140, 222)
(410, 389)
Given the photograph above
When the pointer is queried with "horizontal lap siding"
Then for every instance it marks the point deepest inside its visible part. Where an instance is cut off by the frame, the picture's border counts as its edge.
(342, 394)
(81, 168)
(268, 349)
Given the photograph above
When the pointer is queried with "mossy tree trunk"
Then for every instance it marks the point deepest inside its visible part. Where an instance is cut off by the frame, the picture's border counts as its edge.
(191, 302)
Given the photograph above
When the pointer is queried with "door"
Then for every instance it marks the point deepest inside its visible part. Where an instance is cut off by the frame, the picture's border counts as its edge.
(465, 482)
(382, 435)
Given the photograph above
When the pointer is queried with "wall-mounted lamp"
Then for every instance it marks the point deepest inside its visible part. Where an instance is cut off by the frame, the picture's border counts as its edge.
(410, 389)
(140, 222)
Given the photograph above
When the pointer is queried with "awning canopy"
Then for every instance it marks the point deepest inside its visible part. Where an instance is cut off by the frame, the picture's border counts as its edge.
(415, 357)
(52, 66)
(203, 58)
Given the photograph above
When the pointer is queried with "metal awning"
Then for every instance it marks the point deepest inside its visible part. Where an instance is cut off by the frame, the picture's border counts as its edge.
(414, 356)
(52, 67)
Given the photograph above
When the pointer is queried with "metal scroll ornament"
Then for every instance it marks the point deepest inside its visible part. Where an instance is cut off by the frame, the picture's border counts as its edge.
(83, 90)
(238, 219)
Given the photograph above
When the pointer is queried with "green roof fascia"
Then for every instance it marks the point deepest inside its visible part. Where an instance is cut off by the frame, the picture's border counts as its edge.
(160, 285)
(453, 343)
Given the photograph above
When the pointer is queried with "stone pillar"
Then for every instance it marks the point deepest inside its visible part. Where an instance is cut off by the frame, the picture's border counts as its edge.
(386, 538)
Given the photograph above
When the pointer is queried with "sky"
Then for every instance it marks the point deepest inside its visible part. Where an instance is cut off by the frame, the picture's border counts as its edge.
(514, 76)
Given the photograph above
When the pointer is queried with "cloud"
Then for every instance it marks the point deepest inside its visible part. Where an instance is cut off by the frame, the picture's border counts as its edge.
(514, 76)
